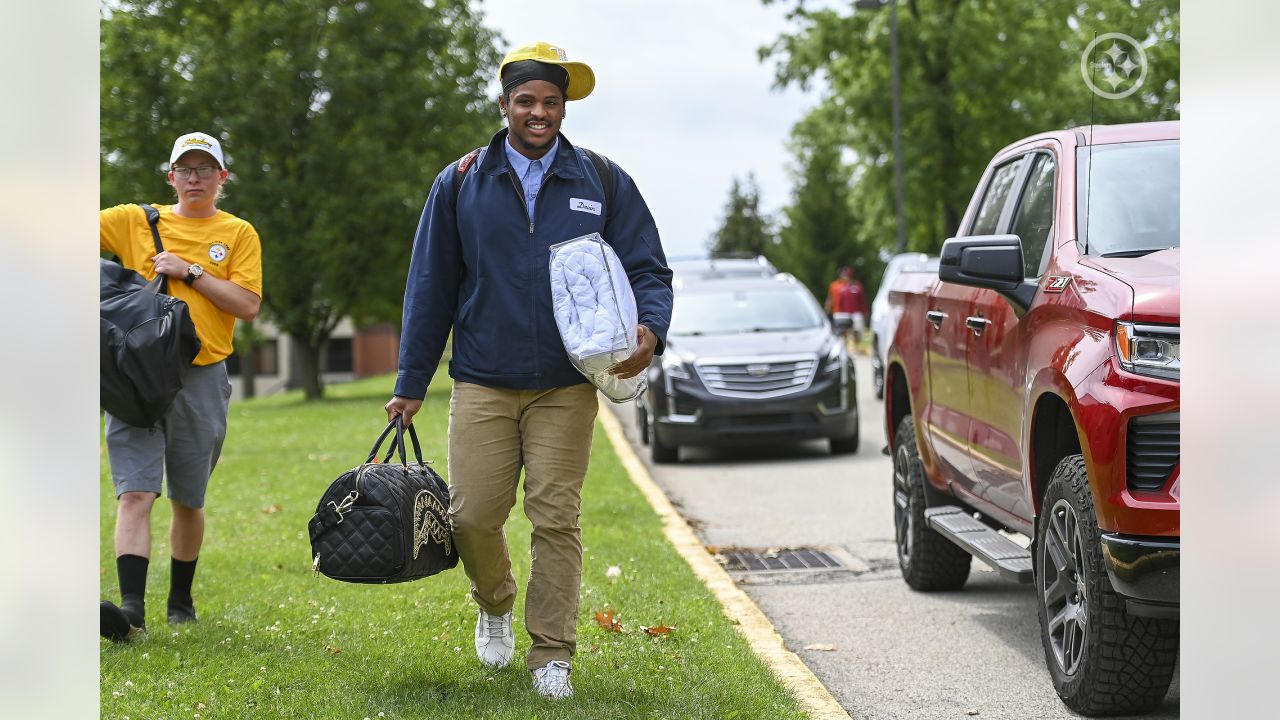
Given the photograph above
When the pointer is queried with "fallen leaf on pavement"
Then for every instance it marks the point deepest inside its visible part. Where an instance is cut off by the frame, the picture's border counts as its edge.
(825, 647)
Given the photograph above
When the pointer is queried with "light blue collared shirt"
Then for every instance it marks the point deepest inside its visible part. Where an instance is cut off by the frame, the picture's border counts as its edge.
(529, 171)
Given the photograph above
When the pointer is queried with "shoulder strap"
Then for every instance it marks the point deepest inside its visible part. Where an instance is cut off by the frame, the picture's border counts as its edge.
(153, 217)
(464, 164)
(604, 170)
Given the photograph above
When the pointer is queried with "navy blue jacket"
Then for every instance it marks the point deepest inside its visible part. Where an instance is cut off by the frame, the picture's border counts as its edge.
(483, 270)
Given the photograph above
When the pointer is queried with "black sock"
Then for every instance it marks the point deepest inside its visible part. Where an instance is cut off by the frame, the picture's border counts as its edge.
(132, 571)
(181, 574)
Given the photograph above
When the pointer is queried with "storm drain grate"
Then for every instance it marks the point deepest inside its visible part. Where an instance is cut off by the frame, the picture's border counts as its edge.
(778, 561)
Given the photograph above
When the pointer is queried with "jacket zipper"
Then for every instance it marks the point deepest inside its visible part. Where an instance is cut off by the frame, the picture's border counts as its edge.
(515, 182)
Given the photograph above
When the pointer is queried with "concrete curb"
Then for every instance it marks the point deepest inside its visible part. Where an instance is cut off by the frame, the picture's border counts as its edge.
(764, 640)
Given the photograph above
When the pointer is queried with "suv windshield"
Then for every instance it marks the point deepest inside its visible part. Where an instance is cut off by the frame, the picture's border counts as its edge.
(716, 312)
(1132, 208)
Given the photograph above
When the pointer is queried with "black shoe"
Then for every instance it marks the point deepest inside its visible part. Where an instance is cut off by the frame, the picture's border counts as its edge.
(116, 625)
(181, 612)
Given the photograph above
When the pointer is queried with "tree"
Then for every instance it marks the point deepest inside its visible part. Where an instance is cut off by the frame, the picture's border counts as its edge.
(335, 118)
(744, 228)
(976, 75)
(820, 231)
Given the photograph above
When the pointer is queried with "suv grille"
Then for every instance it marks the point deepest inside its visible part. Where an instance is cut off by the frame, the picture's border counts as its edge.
(1153, 450)
(758, 377)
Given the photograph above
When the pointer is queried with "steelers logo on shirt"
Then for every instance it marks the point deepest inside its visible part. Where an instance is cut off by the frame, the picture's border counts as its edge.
(218, 252)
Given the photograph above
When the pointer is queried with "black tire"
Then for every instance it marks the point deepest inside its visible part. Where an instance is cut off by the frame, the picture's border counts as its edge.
(845, 446)
(928, 560)
(642, 423)
(660, 451)
(1103, 661)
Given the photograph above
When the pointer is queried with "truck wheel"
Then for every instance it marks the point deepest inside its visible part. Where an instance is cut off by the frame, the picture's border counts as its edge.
(660, 451)
(642, 423)
(1102, 660)
(928, 560)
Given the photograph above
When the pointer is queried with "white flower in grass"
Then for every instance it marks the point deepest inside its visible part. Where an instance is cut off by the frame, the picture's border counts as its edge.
(613, 573)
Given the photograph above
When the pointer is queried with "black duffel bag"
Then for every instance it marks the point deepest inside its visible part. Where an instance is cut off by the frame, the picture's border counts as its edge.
(382, 522)
(147, 341)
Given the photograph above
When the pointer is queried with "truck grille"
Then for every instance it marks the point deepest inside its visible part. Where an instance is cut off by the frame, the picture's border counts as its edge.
(758, 377)
(1153, 450)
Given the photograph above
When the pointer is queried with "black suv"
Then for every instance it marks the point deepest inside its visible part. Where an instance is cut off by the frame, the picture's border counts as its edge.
(748, 360)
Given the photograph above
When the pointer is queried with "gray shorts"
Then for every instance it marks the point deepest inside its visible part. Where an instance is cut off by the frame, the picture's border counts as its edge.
(184, 445)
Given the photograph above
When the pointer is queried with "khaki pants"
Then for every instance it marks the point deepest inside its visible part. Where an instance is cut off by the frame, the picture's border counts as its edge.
(492, 434)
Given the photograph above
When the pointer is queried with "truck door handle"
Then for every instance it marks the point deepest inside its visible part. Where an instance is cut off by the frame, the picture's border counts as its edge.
(977, 324)
(935, 318)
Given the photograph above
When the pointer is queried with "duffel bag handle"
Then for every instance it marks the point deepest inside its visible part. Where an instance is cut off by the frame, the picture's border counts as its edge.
(397, 443)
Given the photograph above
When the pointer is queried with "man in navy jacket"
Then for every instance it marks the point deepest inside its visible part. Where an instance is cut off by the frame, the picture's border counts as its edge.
(480, 267)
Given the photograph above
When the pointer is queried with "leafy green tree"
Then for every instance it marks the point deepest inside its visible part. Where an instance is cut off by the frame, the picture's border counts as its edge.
(745, 229)
(976, 75)
(335, 117)
(819, 232)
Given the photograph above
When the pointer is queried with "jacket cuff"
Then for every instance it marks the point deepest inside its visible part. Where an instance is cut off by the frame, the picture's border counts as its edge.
(411, 387)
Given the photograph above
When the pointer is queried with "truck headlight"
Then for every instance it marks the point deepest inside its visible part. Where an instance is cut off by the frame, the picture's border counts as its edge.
(1149, 349)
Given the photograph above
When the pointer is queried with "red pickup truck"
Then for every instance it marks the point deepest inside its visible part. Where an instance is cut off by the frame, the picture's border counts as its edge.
(1032, 389)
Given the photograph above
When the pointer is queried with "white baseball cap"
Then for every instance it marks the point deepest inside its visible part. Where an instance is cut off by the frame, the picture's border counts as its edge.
(197, 141)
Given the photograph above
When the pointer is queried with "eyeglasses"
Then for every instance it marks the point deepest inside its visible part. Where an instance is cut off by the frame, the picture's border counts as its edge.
(202, 171)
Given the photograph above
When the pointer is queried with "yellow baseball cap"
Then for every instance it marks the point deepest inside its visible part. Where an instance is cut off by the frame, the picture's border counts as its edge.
(581, 79)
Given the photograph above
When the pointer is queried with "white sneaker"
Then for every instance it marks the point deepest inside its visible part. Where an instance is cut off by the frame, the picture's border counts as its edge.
(495, 640)
(552, 680)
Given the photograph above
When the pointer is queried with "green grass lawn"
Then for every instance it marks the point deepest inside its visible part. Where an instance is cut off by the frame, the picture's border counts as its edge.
(276, 641)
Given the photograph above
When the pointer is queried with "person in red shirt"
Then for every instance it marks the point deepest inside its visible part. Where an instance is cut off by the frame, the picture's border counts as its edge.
(847, 305)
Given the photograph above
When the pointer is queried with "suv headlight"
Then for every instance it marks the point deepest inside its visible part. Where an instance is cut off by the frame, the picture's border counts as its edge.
(1149, 349)
(835, 357)
(673, 368)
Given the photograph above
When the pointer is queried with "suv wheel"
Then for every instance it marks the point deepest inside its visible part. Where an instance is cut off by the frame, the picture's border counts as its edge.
(928, 560)
(845, 446)
(642, 423)
(660, 451)
(1102, 660)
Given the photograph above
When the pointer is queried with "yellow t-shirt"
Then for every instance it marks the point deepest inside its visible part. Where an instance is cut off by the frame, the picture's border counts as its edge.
(224, 245)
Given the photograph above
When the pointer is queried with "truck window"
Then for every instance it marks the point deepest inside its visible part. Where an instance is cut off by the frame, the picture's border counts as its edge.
(1033, 221)
(984, 223)
(1132, 208)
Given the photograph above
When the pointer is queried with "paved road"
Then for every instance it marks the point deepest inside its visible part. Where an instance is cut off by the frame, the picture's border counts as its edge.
(898, 653)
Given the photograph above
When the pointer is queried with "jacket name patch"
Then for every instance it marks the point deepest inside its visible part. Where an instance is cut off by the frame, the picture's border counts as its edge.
(587, 206)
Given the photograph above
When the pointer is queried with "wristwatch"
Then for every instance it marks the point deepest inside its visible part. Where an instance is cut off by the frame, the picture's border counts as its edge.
(194, 272)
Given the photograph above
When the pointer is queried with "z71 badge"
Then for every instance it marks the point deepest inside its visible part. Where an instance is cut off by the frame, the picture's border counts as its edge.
(1056, 284)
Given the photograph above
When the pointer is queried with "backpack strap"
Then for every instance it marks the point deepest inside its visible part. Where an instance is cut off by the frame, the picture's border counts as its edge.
(604, 170)
(153, 218)
(464, 164)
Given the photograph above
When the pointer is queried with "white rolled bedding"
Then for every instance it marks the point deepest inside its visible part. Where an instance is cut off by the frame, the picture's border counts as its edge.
(595, 312)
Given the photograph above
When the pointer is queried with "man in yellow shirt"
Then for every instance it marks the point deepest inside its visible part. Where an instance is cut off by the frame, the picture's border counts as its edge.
(214, 263)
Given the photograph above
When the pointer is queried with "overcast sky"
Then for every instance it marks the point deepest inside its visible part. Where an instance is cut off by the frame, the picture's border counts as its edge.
(681, 100)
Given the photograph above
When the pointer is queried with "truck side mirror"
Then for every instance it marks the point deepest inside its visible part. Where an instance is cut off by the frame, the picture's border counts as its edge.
(988, 261)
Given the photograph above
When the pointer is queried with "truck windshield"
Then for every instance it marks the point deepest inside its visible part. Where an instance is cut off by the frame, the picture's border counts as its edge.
(1132, 208)
(719, 312)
